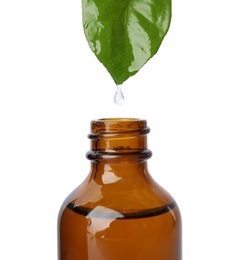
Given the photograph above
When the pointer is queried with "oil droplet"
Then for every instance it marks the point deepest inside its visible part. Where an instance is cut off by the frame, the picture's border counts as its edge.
(119, 98)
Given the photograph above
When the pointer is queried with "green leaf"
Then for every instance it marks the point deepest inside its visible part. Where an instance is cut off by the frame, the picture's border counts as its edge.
(125, 34)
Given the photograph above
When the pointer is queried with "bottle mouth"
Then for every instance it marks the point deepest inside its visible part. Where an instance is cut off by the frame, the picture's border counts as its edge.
(116, 119)
(118, 125)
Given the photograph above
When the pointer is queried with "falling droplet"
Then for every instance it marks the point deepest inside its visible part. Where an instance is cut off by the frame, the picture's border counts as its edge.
(119, 98)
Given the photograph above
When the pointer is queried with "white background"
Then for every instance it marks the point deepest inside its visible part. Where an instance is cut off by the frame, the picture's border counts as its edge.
(51, 86)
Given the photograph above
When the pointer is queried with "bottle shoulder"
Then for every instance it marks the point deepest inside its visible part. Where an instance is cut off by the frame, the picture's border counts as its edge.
(141, 195)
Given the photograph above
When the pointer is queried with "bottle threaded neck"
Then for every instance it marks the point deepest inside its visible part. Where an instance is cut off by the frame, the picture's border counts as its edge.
(115, 137)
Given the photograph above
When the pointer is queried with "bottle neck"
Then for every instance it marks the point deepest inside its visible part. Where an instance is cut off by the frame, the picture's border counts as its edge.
(117, 140)
(103, 172)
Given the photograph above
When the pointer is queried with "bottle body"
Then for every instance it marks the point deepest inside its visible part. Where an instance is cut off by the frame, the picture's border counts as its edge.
(119, 211)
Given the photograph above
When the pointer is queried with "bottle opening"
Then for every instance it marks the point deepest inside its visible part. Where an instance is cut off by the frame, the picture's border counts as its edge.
(119, 119)
(108, 125)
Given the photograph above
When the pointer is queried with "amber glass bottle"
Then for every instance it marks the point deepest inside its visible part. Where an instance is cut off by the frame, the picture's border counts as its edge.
(119, 212)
